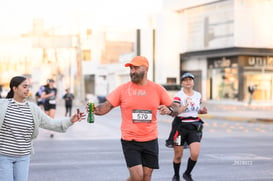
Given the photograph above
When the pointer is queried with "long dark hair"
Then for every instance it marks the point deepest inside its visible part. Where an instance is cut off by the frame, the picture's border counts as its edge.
(15, 82)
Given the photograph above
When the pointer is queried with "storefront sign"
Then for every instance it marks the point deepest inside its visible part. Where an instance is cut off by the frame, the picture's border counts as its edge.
(223, 62)
(260, 61)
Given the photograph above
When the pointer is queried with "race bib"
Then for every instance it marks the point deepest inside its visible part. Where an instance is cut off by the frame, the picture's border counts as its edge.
(142, 116)
(52, 101)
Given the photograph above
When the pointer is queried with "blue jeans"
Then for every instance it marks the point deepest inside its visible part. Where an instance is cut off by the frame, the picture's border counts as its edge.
(14, 168)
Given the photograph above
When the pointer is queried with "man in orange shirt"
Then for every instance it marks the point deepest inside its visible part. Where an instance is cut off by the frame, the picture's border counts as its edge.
(139, 100)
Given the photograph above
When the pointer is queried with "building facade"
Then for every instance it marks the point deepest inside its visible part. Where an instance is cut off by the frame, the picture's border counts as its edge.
(227, 44)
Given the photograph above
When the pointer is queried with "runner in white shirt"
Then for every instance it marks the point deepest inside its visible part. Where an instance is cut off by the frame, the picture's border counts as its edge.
(186, 126)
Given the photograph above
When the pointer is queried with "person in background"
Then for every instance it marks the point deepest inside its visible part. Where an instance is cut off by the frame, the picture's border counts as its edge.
(50, 95)
(251, 90)
(139, 100)
(186, 126)
(20, 121)
(1, 89)
(68, 97)
(40, 102)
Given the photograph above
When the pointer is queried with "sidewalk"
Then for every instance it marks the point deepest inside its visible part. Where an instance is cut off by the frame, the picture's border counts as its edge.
(239, 111)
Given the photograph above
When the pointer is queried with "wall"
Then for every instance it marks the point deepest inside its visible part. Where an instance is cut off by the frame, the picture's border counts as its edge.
(254, 23)
(168, 46)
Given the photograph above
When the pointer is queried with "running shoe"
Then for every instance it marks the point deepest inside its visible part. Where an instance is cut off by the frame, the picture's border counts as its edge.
(187, 177)
(176, 178)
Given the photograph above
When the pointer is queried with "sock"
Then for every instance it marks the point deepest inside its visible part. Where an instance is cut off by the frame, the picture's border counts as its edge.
(190, 165)
(176, 167)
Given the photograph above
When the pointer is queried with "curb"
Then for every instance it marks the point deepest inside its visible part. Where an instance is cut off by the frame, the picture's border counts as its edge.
(236, 118)
(264, 120)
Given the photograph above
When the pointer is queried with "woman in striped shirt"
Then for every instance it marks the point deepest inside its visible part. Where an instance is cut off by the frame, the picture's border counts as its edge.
(19, 125)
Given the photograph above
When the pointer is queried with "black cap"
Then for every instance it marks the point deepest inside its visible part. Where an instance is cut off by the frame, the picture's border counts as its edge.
(50, 80)
(186, 75)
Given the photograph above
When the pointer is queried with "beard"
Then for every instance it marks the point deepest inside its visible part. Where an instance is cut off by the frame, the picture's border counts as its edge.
(137, 77)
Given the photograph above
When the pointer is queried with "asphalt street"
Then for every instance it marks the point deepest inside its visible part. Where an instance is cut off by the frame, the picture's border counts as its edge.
(231, 151)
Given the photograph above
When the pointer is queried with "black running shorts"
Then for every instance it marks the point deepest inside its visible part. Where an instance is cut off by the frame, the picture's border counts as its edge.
(141, 153)
(189, 134)
(48, 106)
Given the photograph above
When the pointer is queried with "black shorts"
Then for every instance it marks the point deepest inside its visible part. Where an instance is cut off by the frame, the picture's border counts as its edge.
(189, 134)
(39, 103)
(48, 106)
(141, 153)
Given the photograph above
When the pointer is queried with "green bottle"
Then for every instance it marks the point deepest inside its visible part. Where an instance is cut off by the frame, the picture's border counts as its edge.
(90, 118)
